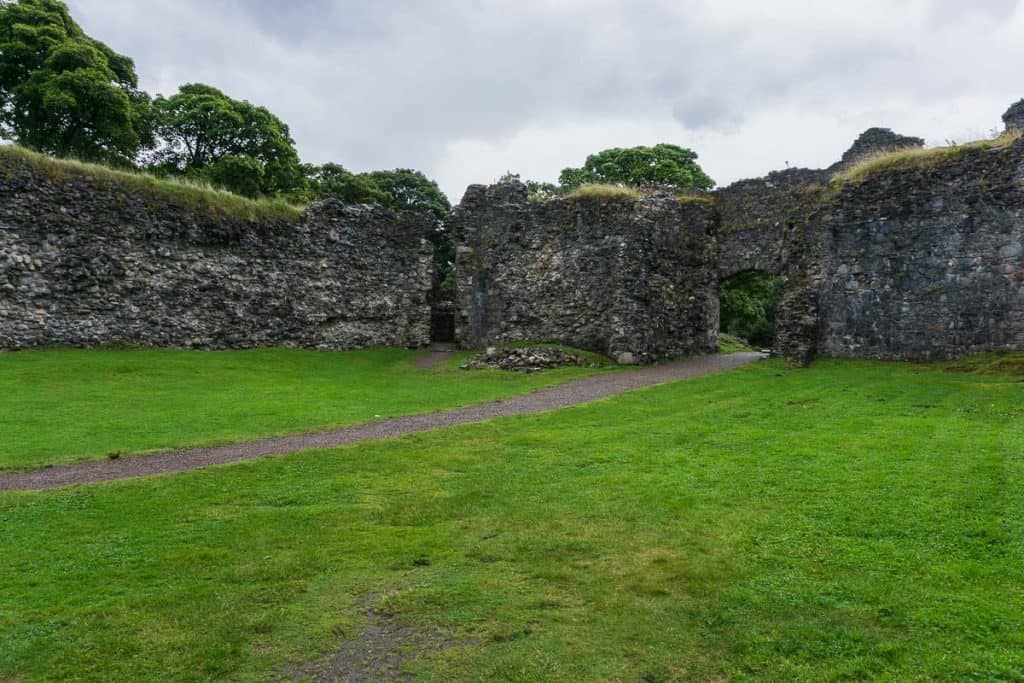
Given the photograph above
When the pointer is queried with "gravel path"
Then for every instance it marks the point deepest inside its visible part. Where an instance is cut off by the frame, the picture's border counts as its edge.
(569, 394)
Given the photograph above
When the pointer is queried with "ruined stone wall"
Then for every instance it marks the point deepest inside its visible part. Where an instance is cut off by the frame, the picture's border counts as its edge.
(633, 279)
(756, 216)
(921, 258)
(87, 261)
(926, 262)
(765, 224)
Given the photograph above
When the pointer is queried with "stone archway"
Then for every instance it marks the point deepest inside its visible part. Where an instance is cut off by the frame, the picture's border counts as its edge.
(747, 304)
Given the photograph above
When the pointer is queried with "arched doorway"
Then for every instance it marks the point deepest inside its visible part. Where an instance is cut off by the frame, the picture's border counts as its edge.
(747, 304)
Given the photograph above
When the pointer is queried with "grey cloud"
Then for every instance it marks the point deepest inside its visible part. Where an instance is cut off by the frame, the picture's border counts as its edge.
(399, 82)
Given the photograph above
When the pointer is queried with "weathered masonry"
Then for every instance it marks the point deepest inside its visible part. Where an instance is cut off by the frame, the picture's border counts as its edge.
(88, 260)
(920, 258)
(631, 279)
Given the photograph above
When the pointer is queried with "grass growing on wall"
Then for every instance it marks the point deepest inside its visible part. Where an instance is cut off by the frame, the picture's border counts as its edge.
(917, 157)
(853, 521)
(194, 195)
(604, 191)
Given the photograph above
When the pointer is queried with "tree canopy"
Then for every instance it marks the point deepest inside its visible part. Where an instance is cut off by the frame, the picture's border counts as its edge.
(335, 181)
(65, 93)
(410, 190)
(205, 133)
(663, 165)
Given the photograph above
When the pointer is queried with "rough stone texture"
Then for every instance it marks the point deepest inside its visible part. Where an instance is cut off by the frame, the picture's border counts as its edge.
(86, 262)
(875, 141)
(524, 359)
(922, 261)
(628, 278)
(926, 263)
(757, 219)
(1014, 116)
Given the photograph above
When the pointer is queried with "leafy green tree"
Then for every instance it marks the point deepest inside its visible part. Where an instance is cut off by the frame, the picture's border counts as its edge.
(239, 173)
(664, 165)
(204, 133)
(337, 182)
(65, 93)
(536, 191)
(748, 302)
(410, 190)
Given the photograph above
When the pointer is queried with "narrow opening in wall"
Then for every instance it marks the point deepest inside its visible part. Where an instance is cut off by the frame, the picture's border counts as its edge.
(747, 305)
(442, 323)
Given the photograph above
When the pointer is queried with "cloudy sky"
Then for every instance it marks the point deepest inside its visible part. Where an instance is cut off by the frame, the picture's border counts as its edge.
(466, 90)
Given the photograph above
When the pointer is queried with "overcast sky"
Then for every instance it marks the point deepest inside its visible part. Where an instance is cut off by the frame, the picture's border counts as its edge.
(466, 90)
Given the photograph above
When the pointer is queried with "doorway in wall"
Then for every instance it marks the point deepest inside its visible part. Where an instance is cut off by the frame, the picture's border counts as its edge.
(747, 304)
(442, 323)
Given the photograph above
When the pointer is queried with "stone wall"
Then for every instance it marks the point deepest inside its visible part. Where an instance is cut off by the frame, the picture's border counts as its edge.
(926, 262)
(86, 260)
(629, 278)
(919, 259)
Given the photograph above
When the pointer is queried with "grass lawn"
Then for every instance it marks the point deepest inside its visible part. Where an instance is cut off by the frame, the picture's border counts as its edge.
(853, 521)
(67, 405)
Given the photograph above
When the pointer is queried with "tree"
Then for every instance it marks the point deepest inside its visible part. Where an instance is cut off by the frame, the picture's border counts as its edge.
(664, 165)
(337, 182)
(65, 93)
(206, 134)
(410, 190)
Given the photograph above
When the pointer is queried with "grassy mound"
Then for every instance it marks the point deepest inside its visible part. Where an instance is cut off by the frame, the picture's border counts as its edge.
(727, 343)
(196, 196)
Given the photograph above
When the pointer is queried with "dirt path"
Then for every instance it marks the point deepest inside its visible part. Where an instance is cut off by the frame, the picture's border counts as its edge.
(569, 394)
(437, 354)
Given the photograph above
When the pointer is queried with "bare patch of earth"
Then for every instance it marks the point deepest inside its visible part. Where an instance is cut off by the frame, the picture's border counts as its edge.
(379, 653)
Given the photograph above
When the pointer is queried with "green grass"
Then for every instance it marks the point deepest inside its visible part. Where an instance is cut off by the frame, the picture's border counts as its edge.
(188, 193)
(991, 363)
(66, 405)
(853, 521)
(603, 192)
(728, 343)
(917, 157)
(696, 197)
